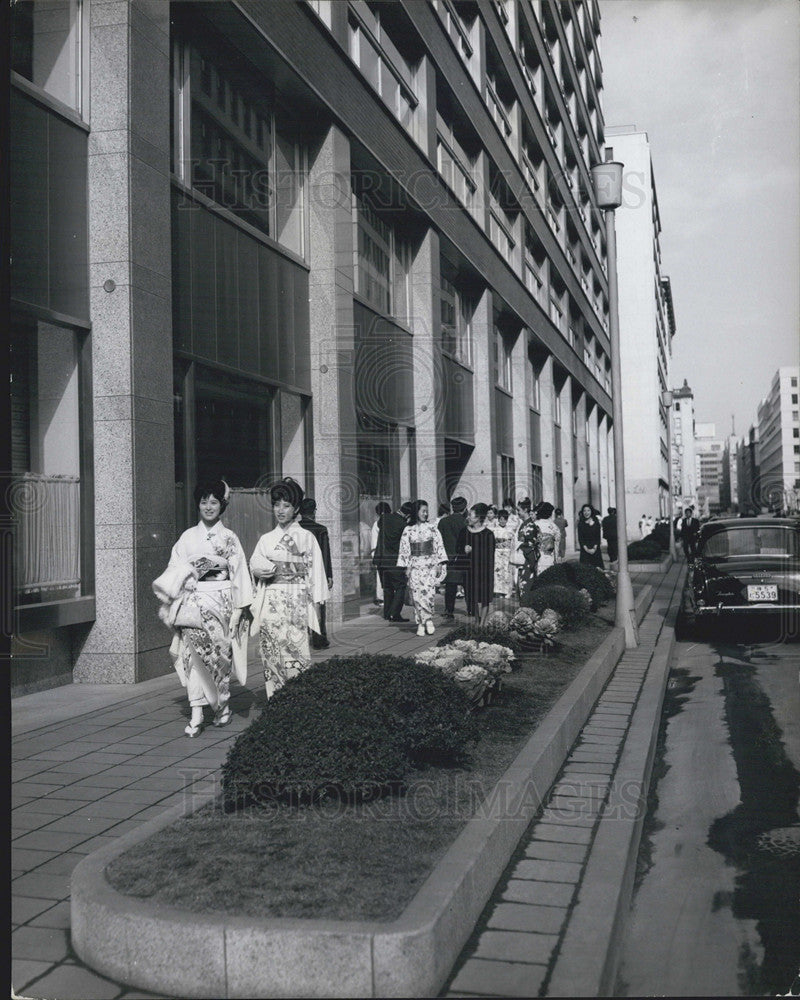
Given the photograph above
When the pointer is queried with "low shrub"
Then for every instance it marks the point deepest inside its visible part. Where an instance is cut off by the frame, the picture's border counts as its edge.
(644, 550)
(483, 633)
(581, 576)
(566, 601)
(659, 535)
(351, 727)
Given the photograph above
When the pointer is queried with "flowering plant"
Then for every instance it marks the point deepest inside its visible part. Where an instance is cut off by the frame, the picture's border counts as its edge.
(586, 597)
(473, 680)
(444, 658)
(547, 626)
(523, 621)
(498, 619)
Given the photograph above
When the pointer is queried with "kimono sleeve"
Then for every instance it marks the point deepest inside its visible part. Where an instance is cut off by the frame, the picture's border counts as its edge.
(260, 563)
(318, 579)
(439, 552)
(404, 554)
(241, 584)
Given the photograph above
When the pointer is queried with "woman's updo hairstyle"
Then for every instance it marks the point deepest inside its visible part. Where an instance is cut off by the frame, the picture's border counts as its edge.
(217, 488)
(544, 510)
(481, 510)
(287, 489)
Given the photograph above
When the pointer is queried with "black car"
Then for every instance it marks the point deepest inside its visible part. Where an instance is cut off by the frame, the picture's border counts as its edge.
(746, 568)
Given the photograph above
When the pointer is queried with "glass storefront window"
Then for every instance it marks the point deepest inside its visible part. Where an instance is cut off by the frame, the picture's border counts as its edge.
(46, 462)
(46, 46)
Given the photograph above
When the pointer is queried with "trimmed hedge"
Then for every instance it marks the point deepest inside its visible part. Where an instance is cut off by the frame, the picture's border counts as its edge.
(659, 535)
(644, 550)
(483, 633)
(580, 576)
(351, 728)
(564, 600)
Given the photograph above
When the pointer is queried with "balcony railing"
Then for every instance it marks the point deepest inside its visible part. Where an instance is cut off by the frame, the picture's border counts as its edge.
(47, 536)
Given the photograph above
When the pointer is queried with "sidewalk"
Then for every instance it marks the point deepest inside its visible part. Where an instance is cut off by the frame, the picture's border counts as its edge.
(93, 762)
(550, 928)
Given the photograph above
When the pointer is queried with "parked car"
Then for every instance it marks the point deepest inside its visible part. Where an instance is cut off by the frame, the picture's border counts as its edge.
(746, 568)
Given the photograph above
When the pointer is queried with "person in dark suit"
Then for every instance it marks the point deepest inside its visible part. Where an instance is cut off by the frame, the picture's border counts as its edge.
(308, 511)
(690, 528)
(393, 578)
(453, 529)
(609, 523)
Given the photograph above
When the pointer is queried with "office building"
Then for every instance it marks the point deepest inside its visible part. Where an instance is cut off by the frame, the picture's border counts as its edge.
(708, 468)
(747, 473)
(779, 443)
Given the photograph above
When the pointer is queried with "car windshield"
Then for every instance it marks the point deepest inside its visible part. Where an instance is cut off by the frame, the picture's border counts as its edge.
(752, 541)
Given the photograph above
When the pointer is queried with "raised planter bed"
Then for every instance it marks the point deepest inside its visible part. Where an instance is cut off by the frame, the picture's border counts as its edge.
(171, 951)
(662, 566)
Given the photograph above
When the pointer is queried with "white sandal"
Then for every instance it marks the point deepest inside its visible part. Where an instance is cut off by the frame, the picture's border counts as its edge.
(194, 730)
(223, 717)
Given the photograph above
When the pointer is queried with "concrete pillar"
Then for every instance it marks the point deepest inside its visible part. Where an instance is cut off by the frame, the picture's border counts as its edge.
(332, 335)
(428, 383)
(606, 499)
(546, 390)
(130, 300)
(477, 479)
(580, 474)
(520, 415)
(567, 470)
(594, 455)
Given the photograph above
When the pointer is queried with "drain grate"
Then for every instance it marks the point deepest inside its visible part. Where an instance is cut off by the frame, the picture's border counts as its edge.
(783, 840)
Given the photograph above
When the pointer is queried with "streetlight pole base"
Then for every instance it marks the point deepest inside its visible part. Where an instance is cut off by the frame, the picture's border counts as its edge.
(626, 610)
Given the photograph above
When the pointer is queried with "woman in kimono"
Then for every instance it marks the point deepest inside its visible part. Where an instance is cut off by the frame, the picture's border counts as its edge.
(527, 551)
(479, 547)
(423, 555)
(205, 593)
(287, 564)
(503, 539)
(549, 537)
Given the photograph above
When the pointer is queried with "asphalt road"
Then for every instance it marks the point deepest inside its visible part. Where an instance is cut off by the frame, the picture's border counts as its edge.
(716, 911)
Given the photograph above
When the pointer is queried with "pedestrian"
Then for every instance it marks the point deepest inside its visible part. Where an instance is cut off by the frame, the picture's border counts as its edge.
(451, 527)
(479, 547)
(642, 526)
(562, 523)
(690, 527)
(287, 563)
(676, 524)
(423, 556)
(513, 517)
(589, 534)
(380, 509)
(527, 548)
(205, 594)
(503, 538)
(609, 525)
(387, 551)
(549, 537)
(308, 512)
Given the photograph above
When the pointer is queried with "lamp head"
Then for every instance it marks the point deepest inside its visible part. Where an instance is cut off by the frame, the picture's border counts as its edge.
(666, 398)
(607, 183)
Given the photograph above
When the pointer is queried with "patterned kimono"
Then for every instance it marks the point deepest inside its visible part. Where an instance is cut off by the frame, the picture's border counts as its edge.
(289, 562)
(205, 580)
(421, 552)
(549, 539)
(528, 547)
(503, 538)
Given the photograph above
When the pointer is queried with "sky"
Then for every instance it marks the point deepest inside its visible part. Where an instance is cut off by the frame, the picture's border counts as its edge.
(715, 84)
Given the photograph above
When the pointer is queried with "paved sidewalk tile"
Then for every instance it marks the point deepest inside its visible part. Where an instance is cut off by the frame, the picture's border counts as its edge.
(563, 834)
(49, 840)
(516, 946)
(499, 979)
(539, 893)
(549, 850)
(73, 981)
(590, 754)
(600, 740)
(56, 916)
(87, 825)
(41, 886)
(24, 859)
(600, 767)
(23, 970)
(581, 805)
(40, 943)
(548, 871)
(522, 917)
(25, 908)
(578, 783)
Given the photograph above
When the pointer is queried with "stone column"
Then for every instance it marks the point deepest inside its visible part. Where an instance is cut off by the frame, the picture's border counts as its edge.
(607, 499)
(477, 479)
(567, 471)
(593, 471)
(520, 415)
(335, 478)
(546, 390)
(130, 279)
(428, 385)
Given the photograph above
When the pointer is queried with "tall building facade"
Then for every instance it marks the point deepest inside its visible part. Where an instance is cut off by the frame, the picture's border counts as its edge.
(684, 460)
(351, 242)
(729, 481)
(647, 326)
(747, 472)
(708, 468)
(779, 442)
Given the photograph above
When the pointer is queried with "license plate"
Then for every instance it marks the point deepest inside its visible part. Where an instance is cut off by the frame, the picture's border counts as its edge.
(762, 592)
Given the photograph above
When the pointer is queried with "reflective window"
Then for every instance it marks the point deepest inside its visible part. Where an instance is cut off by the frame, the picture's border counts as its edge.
(46, 46)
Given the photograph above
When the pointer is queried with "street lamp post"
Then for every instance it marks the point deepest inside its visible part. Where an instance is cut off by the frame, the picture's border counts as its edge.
(666, 399)
(607, 182)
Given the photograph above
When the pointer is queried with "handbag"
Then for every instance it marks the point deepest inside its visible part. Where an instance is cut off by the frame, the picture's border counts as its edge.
(185, 613)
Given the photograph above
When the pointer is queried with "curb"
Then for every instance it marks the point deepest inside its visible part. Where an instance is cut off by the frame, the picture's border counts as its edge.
(167, 950)
(588, 959)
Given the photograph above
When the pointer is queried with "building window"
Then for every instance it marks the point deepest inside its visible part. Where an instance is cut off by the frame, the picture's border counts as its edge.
(46, 462)
(389, 72)
(454, 164)
(234, 146)
(502, 361)
(794, 398)
(323, 10)
(456, 322)
(507, 476)
(677, 407)
(382, 261)
(47, 47)
(535, 401)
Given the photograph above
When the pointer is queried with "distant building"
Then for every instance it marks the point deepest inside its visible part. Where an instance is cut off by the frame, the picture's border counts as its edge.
(747, 470)
(779, 443)
(729, 481)
(647, 326)
(708, 466)
(684, 475)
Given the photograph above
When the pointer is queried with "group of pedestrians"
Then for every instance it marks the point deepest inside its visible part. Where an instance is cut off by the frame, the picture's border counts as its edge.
(483, 552)
(213, 601)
